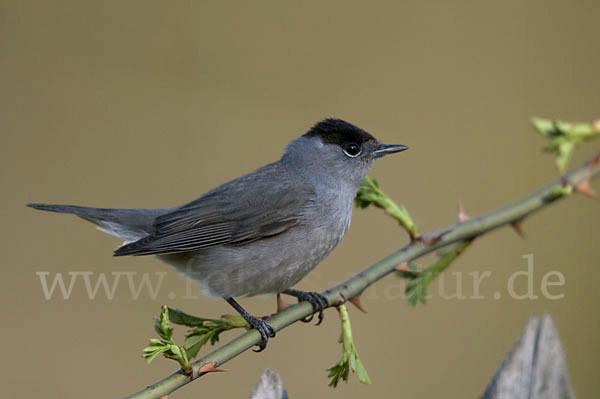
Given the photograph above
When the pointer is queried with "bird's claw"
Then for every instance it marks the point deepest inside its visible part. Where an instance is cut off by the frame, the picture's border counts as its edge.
(318, 302)
(265, 330)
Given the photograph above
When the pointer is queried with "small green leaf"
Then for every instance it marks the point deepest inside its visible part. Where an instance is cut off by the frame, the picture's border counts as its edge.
(175, 350)
(545, 126)
(369, 193)
(204, 331)
(151, 353)
(349, 360)
(162, 326)
(564, 137)
(407, 274)
(193, 343)
(178, 354)
(234, 321)
(183, 319)
(337, 372)
(165, 345)
(558, 191)
(416, 287)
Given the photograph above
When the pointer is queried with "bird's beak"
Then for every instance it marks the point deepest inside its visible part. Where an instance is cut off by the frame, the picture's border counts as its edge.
(384, 149)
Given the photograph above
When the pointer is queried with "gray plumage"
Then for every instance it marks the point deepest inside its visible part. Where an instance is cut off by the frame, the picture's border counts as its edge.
(129, 224)
(270, 386)
(261, 232)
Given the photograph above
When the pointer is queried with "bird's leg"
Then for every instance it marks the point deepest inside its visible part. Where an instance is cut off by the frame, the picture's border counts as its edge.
(265, 330)
(281, 305)
(318, 302)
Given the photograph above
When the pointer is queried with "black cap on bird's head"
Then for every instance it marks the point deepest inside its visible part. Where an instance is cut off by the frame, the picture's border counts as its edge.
(338, 131)
(351, 138)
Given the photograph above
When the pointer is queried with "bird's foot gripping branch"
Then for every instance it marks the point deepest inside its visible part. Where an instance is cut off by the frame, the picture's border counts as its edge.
(562, 137)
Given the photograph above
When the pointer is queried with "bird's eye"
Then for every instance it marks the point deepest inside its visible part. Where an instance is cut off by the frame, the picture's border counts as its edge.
(352, 150)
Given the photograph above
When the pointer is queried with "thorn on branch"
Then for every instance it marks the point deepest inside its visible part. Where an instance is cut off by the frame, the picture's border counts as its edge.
(402, 267)
(356, 302)
(593, 162)
(433, 238)
(517, 225)
(462, 215)
(584, 188)
(405, 268)
(210, 368)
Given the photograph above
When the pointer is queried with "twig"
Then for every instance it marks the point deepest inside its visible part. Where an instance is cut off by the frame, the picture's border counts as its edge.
(354, 286)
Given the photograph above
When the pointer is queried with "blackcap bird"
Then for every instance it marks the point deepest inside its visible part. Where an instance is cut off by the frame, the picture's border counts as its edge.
(262, 232)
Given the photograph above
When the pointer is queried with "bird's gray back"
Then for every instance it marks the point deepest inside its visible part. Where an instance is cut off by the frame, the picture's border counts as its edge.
(261, 204)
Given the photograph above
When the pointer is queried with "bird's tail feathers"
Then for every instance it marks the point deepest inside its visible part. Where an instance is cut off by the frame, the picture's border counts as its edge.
(129, 224)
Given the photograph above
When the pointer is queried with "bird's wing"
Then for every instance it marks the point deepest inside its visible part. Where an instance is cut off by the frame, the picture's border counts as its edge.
(261, 204)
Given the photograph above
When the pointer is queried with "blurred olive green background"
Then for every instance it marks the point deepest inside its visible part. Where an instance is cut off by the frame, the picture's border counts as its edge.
(152, 103)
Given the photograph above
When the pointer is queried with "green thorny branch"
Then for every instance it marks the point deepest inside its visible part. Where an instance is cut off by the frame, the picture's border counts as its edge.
(563, 138)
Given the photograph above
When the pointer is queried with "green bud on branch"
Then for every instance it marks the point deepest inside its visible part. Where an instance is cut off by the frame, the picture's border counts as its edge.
(564, 137)
(350, 359)
(370, 193)
(165, 344)
(416, 289)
